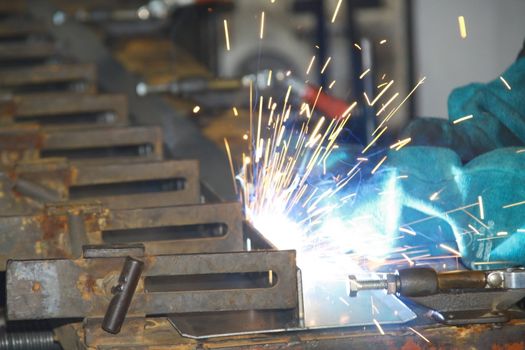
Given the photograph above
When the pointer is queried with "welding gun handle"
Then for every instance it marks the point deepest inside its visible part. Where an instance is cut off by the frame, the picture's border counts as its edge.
(328, 105)
(421, 281)
(189, 86)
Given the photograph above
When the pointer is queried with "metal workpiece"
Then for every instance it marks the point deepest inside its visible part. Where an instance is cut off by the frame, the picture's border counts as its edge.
(169, 284)
(64, 231)
(73, 77)
(159, 334)
(127, 185)
(65, 110)
(104, 145)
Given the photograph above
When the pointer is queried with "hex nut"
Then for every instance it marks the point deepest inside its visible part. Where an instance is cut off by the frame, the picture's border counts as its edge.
(391, 283)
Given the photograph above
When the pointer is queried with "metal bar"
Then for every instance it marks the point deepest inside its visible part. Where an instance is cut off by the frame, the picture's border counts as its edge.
(78, 77)
(44, 289)
(10, 52)
(58, 110)
(13, 7)
(20, 28)
(116, 186)
(121, 144)
(61, 231)
(110, 145)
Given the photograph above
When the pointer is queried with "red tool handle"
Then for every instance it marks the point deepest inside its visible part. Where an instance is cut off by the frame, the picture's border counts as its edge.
(330, 106)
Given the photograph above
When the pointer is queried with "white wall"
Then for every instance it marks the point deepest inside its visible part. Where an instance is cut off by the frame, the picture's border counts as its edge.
(496, 30)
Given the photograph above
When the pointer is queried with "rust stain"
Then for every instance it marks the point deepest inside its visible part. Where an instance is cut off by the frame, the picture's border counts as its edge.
(36, 287)
(8, 109)
(87, 285)
(71, 176)
(92, 222)
(52, 225)
(410, 344)
(39, 247)
(510, 346)
(20, 141)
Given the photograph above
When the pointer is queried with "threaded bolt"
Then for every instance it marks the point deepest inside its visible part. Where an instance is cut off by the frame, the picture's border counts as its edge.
(390, 283)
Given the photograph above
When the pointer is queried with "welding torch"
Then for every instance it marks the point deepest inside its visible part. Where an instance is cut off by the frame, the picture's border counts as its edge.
(324, 103)
(456, 297)
(153, 10)
(189, 86)
(422, 281)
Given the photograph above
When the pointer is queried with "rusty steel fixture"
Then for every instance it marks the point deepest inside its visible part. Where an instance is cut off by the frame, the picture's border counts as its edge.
(11, 53)
(61, 231)
(61, 110)
(129, 185)
(18, 28)
(13, 8)
(74, 77)
(105, 145)
(169, 284)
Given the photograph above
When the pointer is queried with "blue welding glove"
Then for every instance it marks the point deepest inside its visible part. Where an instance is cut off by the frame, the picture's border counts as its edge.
(439, 181)
(498, 117)
(439, 185)
(475, 162)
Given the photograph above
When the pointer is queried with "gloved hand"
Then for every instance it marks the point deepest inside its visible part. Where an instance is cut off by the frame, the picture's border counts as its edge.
(498, 117)
(440, 185)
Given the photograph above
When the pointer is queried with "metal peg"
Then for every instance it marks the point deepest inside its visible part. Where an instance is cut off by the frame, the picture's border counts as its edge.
(123, 295)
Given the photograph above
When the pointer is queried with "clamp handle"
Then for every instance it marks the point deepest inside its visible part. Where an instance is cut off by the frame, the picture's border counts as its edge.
(123, 295)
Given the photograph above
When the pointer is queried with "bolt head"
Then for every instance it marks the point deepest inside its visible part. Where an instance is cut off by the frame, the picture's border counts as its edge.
(353, 286)
(495, 279)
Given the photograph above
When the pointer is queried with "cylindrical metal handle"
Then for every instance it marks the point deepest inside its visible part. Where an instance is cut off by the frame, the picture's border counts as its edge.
(461, 279)
(331, 106)
(123, 295)
(421, 281)
(36, 191)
